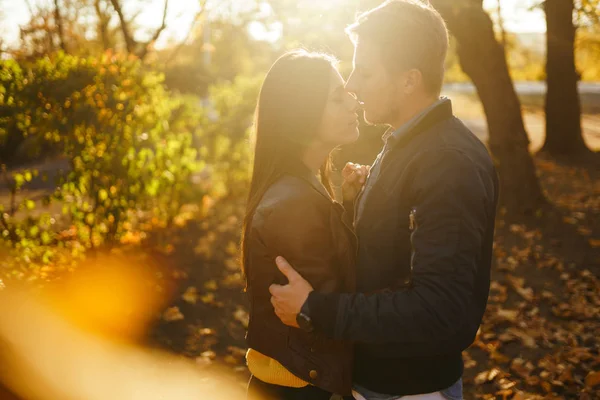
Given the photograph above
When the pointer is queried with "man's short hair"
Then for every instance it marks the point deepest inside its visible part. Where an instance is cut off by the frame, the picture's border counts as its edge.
(411, 34)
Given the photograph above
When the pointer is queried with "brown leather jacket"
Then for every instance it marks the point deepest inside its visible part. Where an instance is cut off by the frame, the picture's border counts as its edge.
(298, 220)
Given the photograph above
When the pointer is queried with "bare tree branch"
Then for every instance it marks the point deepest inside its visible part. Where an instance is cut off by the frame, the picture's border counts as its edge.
(130, 43)
(197, 18)
(133, 47)
(60, 27)
(103, 22)
(29, 7)
(161, 28)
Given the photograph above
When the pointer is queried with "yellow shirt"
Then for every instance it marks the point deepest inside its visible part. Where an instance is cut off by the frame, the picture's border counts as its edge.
(271, 371)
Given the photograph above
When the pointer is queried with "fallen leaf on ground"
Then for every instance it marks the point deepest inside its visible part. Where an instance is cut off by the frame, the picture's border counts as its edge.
(242, 317)
(509, 315)
(232, 265)
(211, 285)
(208, 298)
(527, 340)
(172, 314)
(593, 379)
(206, 332)
(190, 295)
(486, 376)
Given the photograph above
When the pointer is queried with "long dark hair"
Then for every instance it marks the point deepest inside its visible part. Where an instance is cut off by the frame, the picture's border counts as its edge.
(289, 110)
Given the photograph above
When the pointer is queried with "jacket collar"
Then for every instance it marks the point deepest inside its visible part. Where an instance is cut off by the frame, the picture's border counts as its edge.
(299, 170)
(441, 111)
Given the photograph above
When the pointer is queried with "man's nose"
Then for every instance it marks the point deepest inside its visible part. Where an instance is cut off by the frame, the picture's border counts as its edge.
(351, 85)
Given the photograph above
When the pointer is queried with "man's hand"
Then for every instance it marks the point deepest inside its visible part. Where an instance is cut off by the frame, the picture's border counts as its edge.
(355, 176)
(289, 299)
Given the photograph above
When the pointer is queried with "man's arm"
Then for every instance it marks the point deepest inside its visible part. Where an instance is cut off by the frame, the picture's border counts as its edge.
(298, 228)
(452, 205)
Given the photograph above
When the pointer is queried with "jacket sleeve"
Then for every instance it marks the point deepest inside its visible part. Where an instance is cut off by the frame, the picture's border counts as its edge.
(299, 230)
(452, 205)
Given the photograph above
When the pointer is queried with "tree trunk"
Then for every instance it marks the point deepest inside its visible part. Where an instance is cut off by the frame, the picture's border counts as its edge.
(483, 60)
(563, 110)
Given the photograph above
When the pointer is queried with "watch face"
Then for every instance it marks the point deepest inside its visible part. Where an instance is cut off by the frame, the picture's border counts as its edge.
(304, 322)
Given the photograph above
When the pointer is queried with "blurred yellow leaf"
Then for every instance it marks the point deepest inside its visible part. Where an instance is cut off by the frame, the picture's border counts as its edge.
(190, 295)
(208, 298)
(172, 314)
(486, 376)
(242, 316)
(229, 359)
(233, 280)
(509, 315)
(237, 352)
(527, 340)
(232, 265)
(499, 357)
(206, 332)
(209, 354)
(232, 248)
(519, 396)
(593, 379)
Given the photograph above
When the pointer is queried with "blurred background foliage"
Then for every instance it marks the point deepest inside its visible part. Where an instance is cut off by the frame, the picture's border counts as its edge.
(99, 120)
(125, 129)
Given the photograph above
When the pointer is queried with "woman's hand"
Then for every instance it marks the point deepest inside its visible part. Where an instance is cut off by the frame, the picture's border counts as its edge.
(355, 176)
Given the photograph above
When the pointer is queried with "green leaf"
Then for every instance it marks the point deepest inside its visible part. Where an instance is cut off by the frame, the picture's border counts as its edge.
(102, 195)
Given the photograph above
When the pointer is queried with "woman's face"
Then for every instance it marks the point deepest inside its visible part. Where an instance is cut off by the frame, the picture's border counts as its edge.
(339, 124)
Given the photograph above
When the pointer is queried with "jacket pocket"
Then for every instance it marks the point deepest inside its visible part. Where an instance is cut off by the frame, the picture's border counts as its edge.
(305, 354)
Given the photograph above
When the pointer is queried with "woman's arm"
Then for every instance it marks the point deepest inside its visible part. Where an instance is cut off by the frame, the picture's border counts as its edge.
(299, 229)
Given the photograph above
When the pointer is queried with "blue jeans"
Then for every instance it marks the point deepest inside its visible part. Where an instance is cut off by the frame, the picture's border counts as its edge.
(454, 392)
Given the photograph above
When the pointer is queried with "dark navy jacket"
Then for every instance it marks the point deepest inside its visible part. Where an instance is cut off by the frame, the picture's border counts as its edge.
(423, 271)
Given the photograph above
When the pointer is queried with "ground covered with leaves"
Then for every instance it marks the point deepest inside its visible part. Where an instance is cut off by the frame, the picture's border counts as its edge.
(540, 338)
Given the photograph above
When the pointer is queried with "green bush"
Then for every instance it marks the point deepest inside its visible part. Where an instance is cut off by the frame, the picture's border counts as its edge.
(128, 142)
(227, 126)
(132, 146)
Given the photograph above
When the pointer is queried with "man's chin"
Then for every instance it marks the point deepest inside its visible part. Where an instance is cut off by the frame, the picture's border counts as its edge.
(372, 119)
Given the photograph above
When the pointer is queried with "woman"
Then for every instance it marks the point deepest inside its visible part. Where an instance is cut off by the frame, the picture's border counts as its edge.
(303, 113)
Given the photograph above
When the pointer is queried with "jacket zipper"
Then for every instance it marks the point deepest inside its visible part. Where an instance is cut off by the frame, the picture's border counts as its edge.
(412, 226)
(412, 220)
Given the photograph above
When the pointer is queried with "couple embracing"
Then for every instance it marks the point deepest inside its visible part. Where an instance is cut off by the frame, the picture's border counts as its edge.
(374, 297)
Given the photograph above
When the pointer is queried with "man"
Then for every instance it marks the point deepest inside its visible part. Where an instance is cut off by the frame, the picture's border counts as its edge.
(425, 220)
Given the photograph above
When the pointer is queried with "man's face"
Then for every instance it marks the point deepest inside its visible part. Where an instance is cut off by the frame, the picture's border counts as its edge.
(373, 85)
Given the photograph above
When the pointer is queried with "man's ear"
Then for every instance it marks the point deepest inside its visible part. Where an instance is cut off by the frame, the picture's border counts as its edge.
(412, 80)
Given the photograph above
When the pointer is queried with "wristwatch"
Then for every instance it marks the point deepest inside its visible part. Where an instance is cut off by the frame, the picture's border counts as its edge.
(303, 318)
